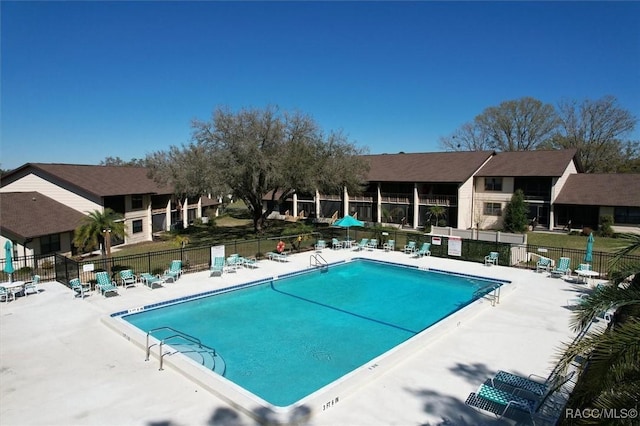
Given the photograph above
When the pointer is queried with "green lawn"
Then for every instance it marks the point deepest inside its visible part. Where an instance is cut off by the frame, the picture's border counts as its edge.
(573, 241)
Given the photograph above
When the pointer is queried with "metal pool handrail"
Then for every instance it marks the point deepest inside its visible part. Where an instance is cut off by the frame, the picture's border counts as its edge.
(180, 334)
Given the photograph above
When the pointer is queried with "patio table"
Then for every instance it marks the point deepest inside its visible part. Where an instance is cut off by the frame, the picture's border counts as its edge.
(585, 275)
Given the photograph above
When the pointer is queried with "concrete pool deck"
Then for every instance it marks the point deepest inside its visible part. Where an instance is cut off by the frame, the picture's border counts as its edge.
(60, 365)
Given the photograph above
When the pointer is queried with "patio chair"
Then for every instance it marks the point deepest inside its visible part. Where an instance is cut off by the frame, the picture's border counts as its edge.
(537, 386)
(424, 250)
(372, 244)
(151, 281)
(174, 271)
(233, 262)
(544, 264)
(563, 268)
(410, 247)
(31, 287)
(491, 258)
(217, 267)
(79, 288)
(6, 294)
(390, 245)
(127, 278)
(362, 244)
(504, 404)
(105, 285)
(336, 244)
(280, 257)
(321, 244)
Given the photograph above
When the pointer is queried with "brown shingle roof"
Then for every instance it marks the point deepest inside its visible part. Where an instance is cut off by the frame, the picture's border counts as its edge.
(452, 167)
(102, 181)
(528, 163)
(592, 189)
(31, 214)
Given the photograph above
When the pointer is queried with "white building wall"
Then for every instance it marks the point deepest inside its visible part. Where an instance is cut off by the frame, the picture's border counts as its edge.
(143, 214)
(482, 197)
(32, 182)
(556, 186)
(465, 205)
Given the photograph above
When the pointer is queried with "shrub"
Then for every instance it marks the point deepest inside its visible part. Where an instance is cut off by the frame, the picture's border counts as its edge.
(605, 226)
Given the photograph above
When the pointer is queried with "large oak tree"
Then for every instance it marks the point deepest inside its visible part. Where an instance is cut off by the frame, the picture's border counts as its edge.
(254, 153)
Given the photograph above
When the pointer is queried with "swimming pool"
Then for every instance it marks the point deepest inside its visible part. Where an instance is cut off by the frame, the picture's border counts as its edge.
(286, 339)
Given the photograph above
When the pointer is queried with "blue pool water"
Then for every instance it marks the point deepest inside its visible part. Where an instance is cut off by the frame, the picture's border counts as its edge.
(282, 340)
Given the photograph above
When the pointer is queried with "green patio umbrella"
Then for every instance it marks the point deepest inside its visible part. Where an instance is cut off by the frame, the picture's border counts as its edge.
(347, 222)
(8, 254)
(588, 255)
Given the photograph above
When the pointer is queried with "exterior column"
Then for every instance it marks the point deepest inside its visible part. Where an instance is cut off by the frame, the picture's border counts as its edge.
(199, 209)
(379, 204)
(295, 204)
(317, 201)
(185, 208)
(149, 220)
(168, 216)
(345, 207)
(416, 205)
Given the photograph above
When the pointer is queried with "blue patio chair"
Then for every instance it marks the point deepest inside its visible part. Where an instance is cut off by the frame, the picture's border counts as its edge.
(217, 267)
(424, 250)
(79, 288)
(321, 244)
(544, 264)
(373, 244)
(410, 247)
(5, 294)
(362, 244)
(390, 245)
(151, 281)
(127, 278)
(336, 244)
(491, 258)
(174, 271)
(104, 284)
(32, 287)
(505, 404)
(563, 268)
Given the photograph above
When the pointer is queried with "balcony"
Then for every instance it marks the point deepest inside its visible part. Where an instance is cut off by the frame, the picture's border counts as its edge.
(439, 200)
(399, 198)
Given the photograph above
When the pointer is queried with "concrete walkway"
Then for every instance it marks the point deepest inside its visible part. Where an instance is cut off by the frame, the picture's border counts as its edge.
(60, 365)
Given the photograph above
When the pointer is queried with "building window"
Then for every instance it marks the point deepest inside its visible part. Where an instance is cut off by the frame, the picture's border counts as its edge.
(136, 202)
(493, 184)
(626, 215)
(50, 244)
(493, 209)
(136, 226)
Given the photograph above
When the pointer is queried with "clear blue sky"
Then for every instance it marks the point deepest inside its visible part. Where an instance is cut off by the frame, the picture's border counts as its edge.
(85, 80)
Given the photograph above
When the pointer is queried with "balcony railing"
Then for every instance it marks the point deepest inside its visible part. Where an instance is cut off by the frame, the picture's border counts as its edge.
(388, 197)
(439, 200)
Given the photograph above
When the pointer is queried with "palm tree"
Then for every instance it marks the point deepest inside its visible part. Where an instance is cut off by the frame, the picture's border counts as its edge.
(611, 378)
(436, 212)
(96, 226)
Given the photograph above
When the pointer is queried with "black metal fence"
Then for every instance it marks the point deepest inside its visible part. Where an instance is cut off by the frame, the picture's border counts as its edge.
(198, 258)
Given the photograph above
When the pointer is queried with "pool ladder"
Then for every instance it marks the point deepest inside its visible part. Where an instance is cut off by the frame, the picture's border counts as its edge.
(318, 261)
(179, 335)
(491, 292)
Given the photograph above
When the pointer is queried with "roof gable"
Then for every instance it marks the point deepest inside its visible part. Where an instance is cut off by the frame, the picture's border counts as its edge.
(450, 167)
(551, 163)
(103, 181)
(601, 189)
(31, 214)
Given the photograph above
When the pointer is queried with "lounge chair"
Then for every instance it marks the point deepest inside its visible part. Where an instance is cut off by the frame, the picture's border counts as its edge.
(336, 244)
(410, 247)
(80, 288)
(5, 294)
(535, 385)
(105, 285)
(491, 258)
(31, 287)
(217, 267)
(563, 268)
(321, 244)
(234, 262)
(544, 264)
(151, 281)
(280, 257)
(174, 271)
(127, 278)
(249, 262)
(390, 245)
(502, 403)
(373, 244)
(424, 250)
(362, 244)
